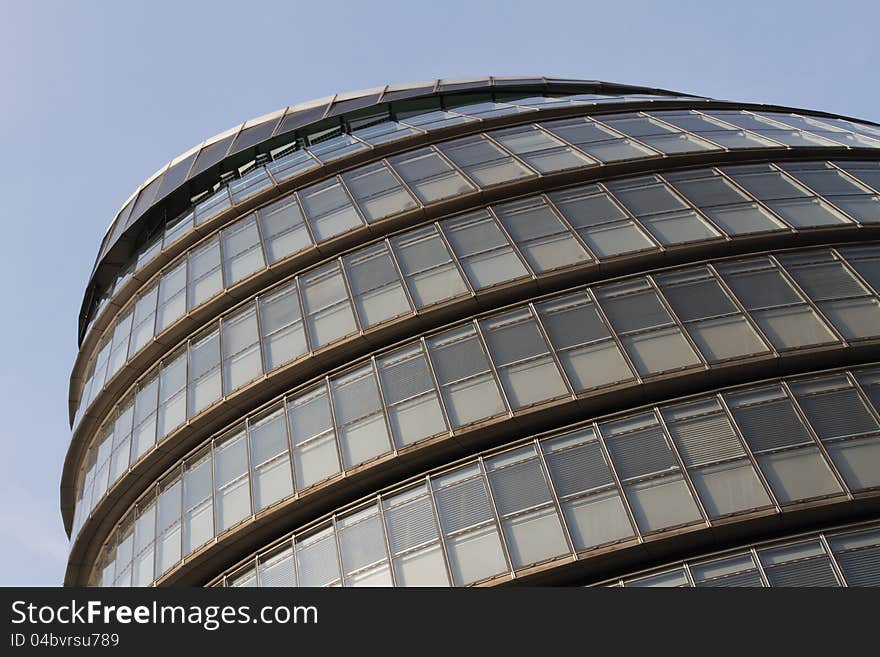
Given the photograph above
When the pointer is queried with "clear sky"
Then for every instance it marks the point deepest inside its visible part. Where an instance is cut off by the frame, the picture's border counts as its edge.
(96, 95)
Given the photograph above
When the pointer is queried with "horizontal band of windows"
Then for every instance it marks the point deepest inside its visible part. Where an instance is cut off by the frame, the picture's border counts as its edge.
(609, 482)
(593, 223)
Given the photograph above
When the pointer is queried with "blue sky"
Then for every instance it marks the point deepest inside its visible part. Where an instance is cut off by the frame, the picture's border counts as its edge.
(96, 95)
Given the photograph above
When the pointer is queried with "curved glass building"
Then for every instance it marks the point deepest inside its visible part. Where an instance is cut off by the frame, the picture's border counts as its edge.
(488, 331)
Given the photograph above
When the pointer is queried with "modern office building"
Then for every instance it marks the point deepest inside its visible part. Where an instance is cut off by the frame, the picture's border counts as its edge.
(488, 331)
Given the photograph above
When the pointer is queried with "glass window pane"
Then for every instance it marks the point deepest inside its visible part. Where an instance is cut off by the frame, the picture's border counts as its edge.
(429, 175)
(328, 209)
(242, 251)
(284, 228)
(172, 296)
(144, 321)
(376, 286)
(205, 277)
(198, 512)
(242, 361)
(204, 372)
(313, 438)
(317, 563)
(539, 149)
(270, 457)
(283, 336)
(483, 250)
(427, 267)
(469, 390)
(483, 161)
(328, 309)
(168, 524)
(378, 192)
(361, 540)
(277, 570)
(172, 395)
(359, 418)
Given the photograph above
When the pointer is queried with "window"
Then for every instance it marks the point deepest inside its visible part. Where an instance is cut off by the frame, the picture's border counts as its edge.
(317, 563)
(291, 164)
(661, 211)
(362, 547)
(651, 339)
(144, 431)
(469, 529)
(735, 571)
(376, 287)
(540, 235)
(313, 438)
(198, 511)
(709, 316)
(786, 454)
(250, 184)
(845, 425)
(469, 389)
(483, 161)
(378, 192)
(416, 553)
(726, 205)
(853, 311)
(204, 372)
(212, 206)
(121, 439)
(648, 469)
(602, 143)
(540, 150)
(100, 373)
(525, 366)
(721, 472)
(102, 464)
(786, 198)
(857, 554)
(594, 511)
(780, 311)
(385, 132)
(168, 523)
(665, 139)
(144, 321)
(582, 342)
(328, 209)
(327, 306)
(205, 277)
(427, 267)
(277, 569)
(800, 564)
(231, 481)
(270, 456)
(242, 361)
(483, 250)
(336, 147)
(357, 408)
(172, 395)
(172, 296)
(242, 251)
(177, 228)
(119, 348)
(143, 549)
(857, 200)
(671, 579)
(721, 133)
(529, 520)
(284, 228)
(412, 401)
(429, 176)
(282, 329)
(602, 224)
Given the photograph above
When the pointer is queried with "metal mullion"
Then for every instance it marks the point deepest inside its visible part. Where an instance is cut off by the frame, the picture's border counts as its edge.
(676, 321)
(249, 468)
(500, 225)
(438, 390)
(550, 350)
(380, 505)
(556, 503)
(339, 565)
(860, 391)
(855, 180)
(688, 575)
(815, 437)
(835, 566)
(807, 299)
(748, 451)
(306, 220)
(454, 258)
(796, 181)
(567, 225)
(757, 560)
(401, 278)
(403, 184)
(492, 368)
(334, 424)
(435, 149)
(441, 539)
(754, 199)
(632, 217)
(685, 473)
(566, 143)
(613, 336)
(384, 408)
(743, 311)
(352, 200)
(350, 297)
(603, 448)
(485, 477)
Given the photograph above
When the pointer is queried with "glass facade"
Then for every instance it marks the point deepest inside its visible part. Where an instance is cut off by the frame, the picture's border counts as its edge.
(556, 320)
